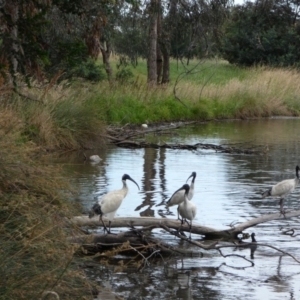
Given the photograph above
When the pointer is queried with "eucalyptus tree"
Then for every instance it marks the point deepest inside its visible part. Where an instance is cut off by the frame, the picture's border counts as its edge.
(161, 29)
(42, 37)
(187, 29)
(22, 49)
(263, 32)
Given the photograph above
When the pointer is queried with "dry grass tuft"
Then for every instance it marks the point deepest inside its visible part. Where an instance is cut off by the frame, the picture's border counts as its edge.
(34, 256)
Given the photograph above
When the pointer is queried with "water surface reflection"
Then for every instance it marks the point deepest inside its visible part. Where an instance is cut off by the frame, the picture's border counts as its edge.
(227, 189)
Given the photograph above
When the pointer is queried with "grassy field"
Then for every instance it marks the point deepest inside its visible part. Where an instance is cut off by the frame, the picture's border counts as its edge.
(35, 256)
(200, 91)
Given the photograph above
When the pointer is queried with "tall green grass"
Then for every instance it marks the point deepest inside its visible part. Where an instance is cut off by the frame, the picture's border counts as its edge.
(211, 89)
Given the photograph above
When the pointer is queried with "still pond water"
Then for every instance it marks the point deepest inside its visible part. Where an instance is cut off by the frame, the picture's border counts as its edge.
(227, 189)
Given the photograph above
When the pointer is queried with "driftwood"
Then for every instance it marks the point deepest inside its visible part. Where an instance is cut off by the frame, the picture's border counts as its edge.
(133, 137)
(139, 240)
(209, 233)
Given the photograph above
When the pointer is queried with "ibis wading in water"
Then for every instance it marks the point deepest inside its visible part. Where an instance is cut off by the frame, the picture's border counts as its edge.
(283, 188)
(187, 209)
(178, 196)
(110, 202)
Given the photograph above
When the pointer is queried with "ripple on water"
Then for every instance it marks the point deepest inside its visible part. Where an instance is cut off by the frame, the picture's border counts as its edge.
(227, 189)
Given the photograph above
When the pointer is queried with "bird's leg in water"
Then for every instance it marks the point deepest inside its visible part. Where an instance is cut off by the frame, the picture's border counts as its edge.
(105, 228)
(282, 211)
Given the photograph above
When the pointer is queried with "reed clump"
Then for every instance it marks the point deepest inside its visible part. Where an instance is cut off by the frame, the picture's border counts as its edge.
(60, 118)
(35, 256)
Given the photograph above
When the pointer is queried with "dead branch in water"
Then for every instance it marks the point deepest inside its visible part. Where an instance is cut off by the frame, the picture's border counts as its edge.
(132, 137)
(209, 233)
(146, 244)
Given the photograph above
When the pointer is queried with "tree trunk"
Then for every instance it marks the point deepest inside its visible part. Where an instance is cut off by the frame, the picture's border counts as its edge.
(151, 63)
(159, 57)
(165, 44)
(12, 8)
(106, 51)
(166, 63)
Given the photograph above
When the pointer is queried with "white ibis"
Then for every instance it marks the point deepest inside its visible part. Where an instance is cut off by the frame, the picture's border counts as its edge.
(283, 188)
(178, 196)
(110, 202)
(187, 209)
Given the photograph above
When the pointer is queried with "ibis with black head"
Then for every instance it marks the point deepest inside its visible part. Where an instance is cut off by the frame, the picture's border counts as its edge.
(187, 209)
(178, 196)
(110, 202)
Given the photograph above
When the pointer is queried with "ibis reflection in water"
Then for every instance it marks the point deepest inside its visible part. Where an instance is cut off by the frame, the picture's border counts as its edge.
(283, 188)
(110, 202)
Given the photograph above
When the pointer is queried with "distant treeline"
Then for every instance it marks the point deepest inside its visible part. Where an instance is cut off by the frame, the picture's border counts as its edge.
(61, 39)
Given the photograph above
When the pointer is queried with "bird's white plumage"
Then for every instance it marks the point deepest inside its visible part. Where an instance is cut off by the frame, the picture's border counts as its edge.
(112, 201)
(283, 188)
(187, 209)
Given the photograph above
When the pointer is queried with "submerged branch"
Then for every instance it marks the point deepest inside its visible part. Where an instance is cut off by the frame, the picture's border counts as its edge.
(141, 241)
(135, 138)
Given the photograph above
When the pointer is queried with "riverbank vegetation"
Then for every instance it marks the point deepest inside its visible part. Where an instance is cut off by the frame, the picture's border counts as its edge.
(35, 257)
(211, 90)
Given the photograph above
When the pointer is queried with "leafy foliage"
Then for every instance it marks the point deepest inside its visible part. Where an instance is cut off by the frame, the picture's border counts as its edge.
(264, 32)
(42, 38)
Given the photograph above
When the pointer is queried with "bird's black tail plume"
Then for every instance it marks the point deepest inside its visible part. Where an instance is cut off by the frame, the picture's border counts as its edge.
(266, 193)
(96, 209)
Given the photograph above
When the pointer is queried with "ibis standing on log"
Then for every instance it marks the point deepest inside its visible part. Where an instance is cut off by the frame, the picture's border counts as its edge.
(187, 209)
(178, 196)
(283, 188)
(110, 202)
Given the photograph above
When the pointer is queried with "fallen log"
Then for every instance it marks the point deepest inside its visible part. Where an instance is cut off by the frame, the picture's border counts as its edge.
(129, 137)
(209, 233)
